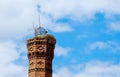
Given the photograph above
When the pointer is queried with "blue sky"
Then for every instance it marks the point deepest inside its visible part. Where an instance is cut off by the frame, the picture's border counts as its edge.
(87, 33)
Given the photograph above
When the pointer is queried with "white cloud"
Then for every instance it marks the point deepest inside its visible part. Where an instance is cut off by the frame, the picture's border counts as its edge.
(90, 69)
(9, 54)
(111, 46)
(62, 51)
(53, 25)
(63, 72)
(78, 9)
(61, 27)
(114, 26)
(12, 70)
(17, 16)
(99, 45)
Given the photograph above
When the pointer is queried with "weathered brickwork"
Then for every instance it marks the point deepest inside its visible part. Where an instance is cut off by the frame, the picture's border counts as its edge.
(40, 55)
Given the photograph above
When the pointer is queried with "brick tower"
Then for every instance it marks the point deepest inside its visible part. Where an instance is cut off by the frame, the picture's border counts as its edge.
(41, 53)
